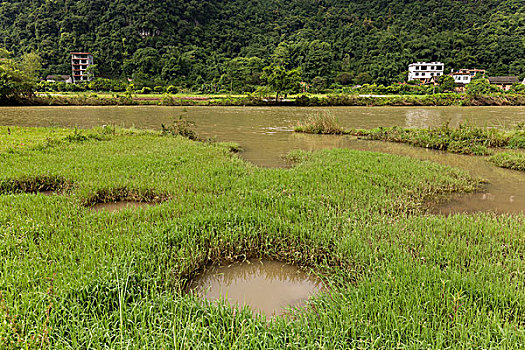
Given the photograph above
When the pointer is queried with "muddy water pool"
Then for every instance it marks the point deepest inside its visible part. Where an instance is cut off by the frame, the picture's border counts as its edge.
(268, 287)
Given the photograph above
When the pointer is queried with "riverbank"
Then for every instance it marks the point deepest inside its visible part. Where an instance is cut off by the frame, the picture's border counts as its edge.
(465, 139)
(395, 275)
(104, 99)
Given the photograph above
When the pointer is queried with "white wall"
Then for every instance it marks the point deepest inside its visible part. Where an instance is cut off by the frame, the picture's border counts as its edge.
(425, 70)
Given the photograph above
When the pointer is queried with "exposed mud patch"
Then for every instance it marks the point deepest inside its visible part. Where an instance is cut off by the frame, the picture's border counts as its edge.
(116, 206)
(112, 199)
(268, 287)
(45, 184)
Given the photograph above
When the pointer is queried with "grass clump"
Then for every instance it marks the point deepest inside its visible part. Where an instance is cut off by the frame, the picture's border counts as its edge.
(180, 127)
(297, 156)
(509, 160)
(397, 276)
(33, 184)
(108, 195)
(321, 123)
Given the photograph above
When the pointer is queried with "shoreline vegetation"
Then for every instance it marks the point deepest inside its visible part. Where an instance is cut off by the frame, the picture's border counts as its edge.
(509, 160)
(342, 99)
(465, 139)
(396, 275)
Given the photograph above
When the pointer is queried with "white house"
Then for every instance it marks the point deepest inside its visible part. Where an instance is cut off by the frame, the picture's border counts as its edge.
(425, 71)
(461, 78)
(464, 76)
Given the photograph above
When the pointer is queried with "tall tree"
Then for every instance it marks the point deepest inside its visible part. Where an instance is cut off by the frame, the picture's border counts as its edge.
(281, 80)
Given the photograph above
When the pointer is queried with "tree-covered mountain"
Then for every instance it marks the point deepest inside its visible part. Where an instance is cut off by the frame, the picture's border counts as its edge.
(227, 42)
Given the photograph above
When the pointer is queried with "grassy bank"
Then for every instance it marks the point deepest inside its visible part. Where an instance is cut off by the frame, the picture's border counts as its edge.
(465, 139)
(103, 99)
(396, 277)
(509, 160)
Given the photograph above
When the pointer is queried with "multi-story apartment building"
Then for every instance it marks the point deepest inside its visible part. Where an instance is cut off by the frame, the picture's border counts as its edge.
(425, 71)
(80, 61)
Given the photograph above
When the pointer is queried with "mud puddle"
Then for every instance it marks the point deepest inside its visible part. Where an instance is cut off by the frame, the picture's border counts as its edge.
(483, 201)
(48, 193)
(116, 206)
(267, 287)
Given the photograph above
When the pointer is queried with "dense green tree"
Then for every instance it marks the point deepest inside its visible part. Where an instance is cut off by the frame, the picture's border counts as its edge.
(363, 78)
(14, 82)
(281, 80)
(518, 88)
(243, 74)
(144, 62)
(344, 78)
(318, 84)
(31, 64)
(446, 83)
(480, 87)
(318, 59)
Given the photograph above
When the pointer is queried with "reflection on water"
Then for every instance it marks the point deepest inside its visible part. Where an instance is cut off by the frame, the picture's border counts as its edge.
(116, 206)
(269, 287)
(266, 133)
(484, 201)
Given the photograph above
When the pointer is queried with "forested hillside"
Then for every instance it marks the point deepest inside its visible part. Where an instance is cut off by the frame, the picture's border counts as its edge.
(226, 43)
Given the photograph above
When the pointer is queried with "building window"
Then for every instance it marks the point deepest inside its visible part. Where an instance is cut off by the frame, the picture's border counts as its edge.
(423, 67)
(417, 74)
(465, 78)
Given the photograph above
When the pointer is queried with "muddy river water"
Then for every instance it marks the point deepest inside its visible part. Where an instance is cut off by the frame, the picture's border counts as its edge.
(266, 133)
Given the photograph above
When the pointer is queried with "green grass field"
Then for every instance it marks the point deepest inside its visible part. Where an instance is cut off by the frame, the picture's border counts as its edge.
(14, 138)
(396, 276)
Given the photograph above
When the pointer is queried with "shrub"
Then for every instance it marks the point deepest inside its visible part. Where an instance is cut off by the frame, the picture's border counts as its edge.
(180, 127)
(172, 89)
(480, 87)
(101, 84)
(321, 123)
